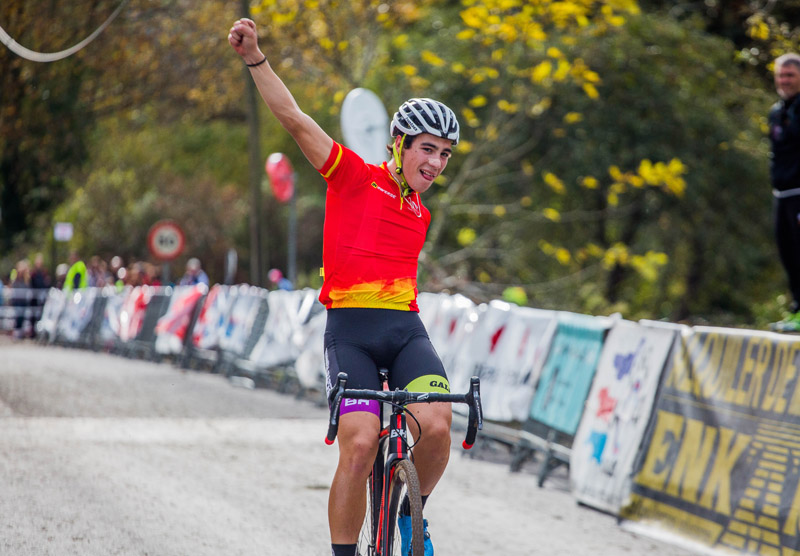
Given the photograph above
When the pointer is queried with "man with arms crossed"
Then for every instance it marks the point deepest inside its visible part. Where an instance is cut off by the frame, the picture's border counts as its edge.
(375, 227)
(784, 166)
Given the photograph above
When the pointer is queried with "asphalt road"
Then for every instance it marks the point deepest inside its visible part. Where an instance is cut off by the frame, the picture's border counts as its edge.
(102, 455)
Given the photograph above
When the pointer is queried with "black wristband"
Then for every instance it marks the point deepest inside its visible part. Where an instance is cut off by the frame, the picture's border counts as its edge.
(257, 63)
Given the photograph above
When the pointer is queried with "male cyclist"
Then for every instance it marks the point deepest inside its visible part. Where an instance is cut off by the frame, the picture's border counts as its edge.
(375, 227)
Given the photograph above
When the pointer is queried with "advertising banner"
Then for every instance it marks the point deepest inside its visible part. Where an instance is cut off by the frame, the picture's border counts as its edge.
(51, 312)
(568, 372)
(310, 363)
(211, 321)
(447, 318)
(111, 326)
(245, 304)
(131, 316)
(617, 412)
(172, 326)
(275, 345)
(505, 347)
(721, 461)
(76, 314)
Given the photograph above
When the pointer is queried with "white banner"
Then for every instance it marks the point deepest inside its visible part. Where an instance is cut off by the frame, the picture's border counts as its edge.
(276, 345)
(172, 326)
(241, 318)
(51, 312)
(310, 364)
(446, 318)
(506, 348)
(76, 314)
(134, 307)
(617, 412)
(210, 322)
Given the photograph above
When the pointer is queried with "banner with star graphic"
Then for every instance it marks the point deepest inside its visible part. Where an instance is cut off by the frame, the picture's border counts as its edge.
(617, 412)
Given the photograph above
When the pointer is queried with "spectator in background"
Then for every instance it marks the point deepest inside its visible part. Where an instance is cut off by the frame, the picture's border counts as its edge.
(77, 276)
(118, 272)
(61, 275)
(152, 274)
(278, 280)
(194, 273)
(99, 276)
(20, 296)
(784, 135)
(136, 275)
(40, 282)
(40, 279)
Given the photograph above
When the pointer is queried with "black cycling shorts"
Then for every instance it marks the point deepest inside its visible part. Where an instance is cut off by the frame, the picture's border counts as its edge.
(359, 342)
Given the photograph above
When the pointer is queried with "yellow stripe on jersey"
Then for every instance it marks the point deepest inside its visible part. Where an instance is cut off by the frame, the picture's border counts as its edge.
(335, 164)
(374, 295)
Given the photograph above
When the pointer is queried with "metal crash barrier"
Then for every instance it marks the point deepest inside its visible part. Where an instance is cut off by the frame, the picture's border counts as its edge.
(21, 309)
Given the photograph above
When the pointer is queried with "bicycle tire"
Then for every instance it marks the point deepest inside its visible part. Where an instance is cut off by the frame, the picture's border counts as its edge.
(405, 483)
(367, 538)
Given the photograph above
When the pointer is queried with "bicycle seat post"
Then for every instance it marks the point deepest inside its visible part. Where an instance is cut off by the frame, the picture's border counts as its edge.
(383, 374)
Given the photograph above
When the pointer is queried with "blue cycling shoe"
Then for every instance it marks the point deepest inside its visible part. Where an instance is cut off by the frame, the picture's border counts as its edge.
(404, 525)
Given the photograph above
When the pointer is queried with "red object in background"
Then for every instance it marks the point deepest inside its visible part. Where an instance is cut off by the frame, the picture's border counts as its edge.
(281, 176)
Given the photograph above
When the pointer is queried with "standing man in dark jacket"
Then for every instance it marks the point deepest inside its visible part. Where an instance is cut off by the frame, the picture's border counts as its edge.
(784, 135)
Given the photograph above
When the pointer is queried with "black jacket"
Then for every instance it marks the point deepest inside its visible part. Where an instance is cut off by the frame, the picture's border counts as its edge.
(784, 134)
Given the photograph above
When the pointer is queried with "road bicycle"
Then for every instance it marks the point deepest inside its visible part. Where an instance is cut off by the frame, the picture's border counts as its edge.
(393, 475)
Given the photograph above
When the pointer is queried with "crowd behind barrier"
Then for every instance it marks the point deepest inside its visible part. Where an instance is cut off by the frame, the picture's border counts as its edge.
(694, 430)
(24, 289)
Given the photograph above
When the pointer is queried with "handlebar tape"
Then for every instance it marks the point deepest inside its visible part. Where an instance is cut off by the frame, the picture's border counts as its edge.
(333, 424)
(475, 421)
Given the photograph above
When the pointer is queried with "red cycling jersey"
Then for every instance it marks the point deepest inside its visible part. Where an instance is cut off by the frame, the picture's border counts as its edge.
(372, 236)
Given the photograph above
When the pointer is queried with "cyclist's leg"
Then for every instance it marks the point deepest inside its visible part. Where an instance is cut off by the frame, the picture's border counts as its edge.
(357, 437)
(358, 445)
(418, 368)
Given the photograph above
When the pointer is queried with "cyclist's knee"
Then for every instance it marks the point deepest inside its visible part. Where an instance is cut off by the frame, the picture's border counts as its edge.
(438, 429)
(358, 441)
(435, 420)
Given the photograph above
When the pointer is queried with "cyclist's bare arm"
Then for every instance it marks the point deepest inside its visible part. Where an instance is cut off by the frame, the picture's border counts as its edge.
(310, 137)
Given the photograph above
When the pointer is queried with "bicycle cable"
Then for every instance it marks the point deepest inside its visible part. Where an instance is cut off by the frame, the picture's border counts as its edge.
(413, 417)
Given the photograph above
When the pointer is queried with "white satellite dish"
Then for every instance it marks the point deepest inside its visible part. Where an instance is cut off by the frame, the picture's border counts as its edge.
(365, 125)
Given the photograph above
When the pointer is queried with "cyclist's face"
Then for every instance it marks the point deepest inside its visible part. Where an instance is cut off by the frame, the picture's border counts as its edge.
(424, 160)
(787, 80)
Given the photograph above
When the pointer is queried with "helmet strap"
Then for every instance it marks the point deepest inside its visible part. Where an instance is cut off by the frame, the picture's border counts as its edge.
(397, 152)
(405, 189)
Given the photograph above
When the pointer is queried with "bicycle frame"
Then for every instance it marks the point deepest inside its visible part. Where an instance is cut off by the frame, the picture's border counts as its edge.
(395, 434)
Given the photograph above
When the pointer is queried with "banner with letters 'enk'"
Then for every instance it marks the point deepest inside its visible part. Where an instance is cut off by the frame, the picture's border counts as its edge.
(721, 462)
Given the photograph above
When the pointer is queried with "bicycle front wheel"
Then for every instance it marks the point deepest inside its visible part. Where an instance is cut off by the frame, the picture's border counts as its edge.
(405, 483)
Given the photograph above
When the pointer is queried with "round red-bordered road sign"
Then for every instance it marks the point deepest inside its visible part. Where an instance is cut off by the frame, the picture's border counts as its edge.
(166, 240)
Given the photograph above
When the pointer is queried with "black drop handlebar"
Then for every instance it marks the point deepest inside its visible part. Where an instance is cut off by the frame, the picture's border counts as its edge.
(403, 397)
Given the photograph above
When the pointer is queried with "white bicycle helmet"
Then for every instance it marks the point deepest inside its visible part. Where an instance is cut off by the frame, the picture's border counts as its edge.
(424, 115)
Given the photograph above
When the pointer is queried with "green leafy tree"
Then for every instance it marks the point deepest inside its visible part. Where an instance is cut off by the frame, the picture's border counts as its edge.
(580, 132)
(673, 93)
